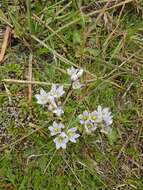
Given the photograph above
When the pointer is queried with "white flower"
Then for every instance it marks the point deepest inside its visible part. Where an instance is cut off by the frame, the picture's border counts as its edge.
(61, 140)
(84, 117)
(56, 91)
(58, 111)
(103, 115)
(75, 74)
(72, 135)
(76, 84)
(90, 127)
(43, 97)
(56, 128)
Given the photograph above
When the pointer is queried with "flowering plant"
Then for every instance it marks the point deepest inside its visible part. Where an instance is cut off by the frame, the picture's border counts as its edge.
(101, 118)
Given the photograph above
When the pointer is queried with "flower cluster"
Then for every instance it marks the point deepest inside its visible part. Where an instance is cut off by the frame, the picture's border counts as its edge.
(63, 136)
(52, 99)
(75, 75)
(101, 117)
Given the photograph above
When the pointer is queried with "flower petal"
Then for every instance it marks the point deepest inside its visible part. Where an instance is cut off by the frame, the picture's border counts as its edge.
(43, 92)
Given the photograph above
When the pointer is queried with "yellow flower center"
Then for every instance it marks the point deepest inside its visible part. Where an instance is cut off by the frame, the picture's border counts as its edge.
(60, 139)
(94, 118)
(56, 130)
(70, 134)
(85, 118)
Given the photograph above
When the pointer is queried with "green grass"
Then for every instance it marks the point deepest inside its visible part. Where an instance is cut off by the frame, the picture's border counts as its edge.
(59, 36)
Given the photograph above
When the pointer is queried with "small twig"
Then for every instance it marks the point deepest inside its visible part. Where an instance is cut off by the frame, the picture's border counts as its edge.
(69, 92)
(35, 156)
(5, 43)
(8, 94)
(30, 79)
(127, 90)
(50, 161)
(32, 82)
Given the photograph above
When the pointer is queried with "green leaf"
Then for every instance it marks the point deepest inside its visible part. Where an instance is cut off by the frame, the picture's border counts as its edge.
(18, 32)
(29, 15)
(112, 137)
(76, 37)
(92, 51)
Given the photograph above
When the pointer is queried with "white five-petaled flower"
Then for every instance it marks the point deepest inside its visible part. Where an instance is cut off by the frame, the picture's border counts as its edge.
(84, 117)
(56, 128)
(58, 111)
(61, 140)
(56, 91)
(74, 73)
(104, 115)
(43, 98)
(72, 135)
